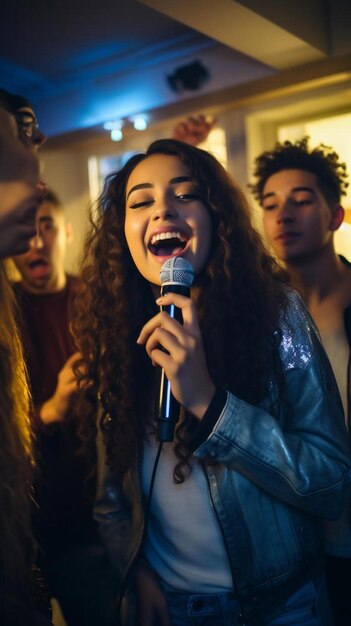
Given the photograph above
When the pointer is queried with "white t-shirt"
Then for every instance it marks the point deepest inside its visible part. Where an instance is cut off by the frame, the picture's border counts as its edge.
(184, 543)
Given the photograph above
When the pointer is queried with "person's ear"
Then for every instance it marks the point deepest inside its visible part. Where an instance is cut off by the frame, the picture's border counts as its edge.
(69, 232)
(337, 218)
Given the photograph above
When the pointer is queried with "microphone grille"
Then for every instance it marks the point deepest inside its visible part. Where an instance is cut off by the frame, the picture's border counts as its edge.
(177, 270)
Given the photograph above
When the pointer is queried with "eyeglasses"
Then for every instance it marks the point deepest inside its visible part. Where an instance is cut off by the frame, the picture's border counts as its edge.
(27, 123)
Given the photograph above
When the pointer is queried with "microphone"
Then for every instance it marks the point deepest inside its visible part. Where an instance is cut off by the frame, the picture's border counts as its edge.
(177, 276)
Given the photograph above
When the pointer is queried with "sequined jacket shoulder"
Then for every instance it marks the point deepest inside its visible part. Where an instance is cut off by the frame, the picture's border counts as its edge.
(274, 471)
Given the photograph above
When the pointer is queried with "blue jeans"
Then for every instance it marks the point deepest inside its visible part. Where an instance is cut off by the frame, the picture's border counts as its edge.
(309, 606)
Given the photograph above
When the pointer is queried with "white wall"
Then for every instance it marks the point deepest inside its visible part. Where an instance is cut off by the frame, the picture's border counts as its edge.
(66, 172)
(249, 130)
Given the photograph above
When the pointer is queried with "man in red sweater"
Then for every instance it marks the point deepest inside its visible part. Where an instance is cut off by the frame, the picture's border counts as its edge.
(73, 559)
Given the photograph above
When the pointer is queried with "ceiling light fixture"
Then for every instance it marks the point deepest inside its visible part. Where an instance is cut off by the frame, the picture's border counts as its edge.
(116, 134)
(116, 126)
(113, 125)
(140, 123)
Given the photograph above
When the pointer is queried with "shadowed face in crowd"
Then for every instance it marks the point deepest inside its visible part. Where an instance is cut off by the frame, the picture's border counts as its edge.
(42, 267)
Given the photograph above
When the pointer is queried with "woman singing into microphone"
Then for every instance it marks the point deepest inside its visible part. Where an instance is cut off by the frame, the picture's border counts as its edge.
(223, 525)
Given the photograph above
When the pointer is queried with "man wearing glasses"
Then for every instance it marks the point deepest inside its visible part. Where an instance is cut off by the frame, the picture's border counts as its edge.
(27, 125)
(71, 555)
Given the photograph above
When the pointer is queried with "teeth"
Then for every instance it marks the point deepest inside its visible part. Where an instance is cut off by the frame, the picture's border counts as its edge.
(168, 235)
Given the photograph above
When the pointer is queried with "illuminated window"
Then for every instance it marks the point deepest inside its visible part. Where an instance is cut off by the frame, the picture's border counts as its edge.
(216, 144)
(100, 167)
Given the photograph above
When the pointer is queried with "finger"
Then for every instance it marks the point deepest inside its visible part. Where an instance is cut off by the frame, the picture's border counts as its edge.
(160, 320)
(162, 340)
(200, 118)
(163, 330)
(74, 357)
(165, 321)
(68, 367)
(184, 303)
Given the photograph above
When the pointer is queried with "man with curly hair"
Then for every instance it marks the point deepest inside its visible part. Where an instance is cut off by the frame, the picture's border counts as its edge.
(299, 190)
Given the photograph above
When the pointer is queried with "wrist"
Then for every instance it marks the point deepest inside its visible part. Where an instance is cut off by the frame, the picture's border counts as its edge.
(199, 409)
(50, 412)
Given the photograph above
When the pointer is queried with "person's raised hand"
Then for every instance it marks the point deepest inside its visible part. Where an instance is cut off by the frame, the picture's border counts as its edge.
(56, 408)
(194, 129)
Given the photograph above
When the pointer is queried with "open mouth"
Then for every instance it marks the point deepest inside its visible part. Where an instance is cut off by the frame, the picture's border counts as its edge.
(37, 263)
(168, 243)
(39, 267)
(288, 235)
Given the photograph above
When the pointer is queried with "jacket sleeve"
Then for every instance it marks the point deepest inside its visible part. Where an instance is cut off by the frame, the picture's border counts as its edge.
(304, 459)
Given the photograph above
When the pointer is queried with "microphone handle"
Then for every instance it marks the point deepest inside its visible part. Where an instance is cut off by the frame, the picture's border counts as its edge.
(168, 407)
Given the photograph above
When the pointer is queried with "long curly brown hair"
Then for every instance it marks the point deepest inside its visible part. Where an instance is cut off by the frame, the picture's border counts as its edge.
(16, 459)
(238, 295)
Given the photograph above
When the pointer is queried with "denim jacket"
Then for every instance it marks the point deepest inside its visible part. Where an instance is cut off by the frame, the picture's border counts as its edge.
(272, 476)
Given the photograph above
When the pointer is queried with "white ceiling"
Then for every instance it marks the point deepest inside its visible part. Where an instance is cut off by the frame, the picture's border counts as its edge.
(82, 62)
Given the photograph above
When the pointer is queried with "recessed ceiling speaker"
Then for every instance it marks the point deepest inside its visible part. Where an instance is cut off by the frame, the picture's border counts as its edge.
(189, 77)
